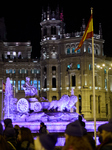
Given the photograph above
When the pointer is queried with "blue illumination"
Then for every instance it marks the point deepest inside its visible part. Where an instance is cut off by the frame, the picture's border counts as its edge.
(18, 85)
(68, 50)
(7, 71)
(35, 83)
(22, 83)
(73, 50)
(90, 67)
(10, 70)
(105, 71)
(68, 66)
(78, 51)
(78, 66)
(38, 85)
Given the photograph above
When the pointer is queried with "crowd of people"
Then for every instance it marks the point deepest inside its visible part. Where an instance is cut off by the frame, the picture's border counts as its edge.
(76, 137)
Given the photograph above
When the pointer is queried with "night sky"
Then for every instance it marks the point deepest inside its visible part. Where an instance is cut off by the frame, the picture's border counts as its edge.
(23, 19)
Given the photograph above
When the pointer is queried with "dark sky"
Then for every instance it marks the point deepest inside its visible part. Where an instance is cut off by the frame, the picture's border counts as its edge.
(23, 19)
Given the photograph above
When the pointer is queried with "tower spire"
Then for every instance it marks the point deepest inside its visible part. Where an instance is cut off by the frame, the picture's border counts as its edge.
(57, 13)
(48, 13)
(100, 30)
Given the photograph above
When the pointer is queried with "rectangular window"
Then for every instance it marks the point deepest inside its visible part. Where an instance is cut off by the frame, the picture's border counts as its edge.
(22, 70)
(95, 80)
(35, 83)
(105, 83)
(11, 82)
(22, 83)
(90, 67)
(53, 82)
(35, 70)
(38, 85)
(78, 51)
(73, 81)
(10, 70)
(14, 83)
(18, 85)
(7, 71)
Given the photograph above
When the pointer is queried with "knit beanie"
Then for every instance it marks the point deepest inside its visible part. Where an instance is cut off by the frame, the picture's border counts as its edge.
(1, 129)
(48, 141)
(7, 121)
(107, 126)
(74, 129)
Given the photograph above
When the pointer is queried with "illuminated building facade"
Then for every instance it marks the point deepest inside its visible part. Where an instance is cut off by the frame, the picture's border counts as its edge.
(60, 69)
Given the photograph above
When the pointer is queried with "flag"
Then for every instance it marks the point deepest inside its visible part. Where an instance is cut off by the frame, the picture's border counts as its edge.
(87, 34)
(3, 87)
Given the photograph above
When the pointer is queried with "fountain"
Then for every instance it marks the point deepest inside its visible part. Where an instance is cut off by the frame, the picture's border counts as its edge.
(28, 111)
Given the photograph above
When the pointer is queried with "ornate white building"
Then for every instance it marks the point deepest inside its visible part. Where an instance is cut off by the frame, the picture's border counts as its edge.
(60, 69)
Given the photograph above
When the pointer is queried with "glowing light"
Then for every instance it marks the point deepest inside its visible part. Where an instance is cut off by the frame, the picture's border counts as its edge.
(103, 65)
(54, 89)
(98, 66)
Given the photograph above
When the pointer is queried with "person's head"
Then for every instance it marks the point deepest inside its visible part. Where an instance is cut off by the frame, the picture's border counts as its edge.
(99, 133)
(77, 143)
(106, 131)
(25, 135)
(7, 121)
(42, 124)
(73, 129)
(46, 142)
(16, 128)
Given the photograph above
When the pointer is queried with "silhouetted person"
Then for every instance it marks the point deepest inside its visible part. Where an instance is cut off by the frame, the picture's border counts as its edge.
(80, 120)
(42, 129)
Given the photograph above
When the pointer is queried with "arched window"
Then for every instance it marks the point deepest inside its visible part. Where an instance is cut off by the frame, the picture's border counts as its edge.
(19, 55)
(35, 83)
(22, 83)
(88, 49)
(53, 30)
(73, 50)
(78, 66)
(68, 50)
(8, 55)
(54, 98)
